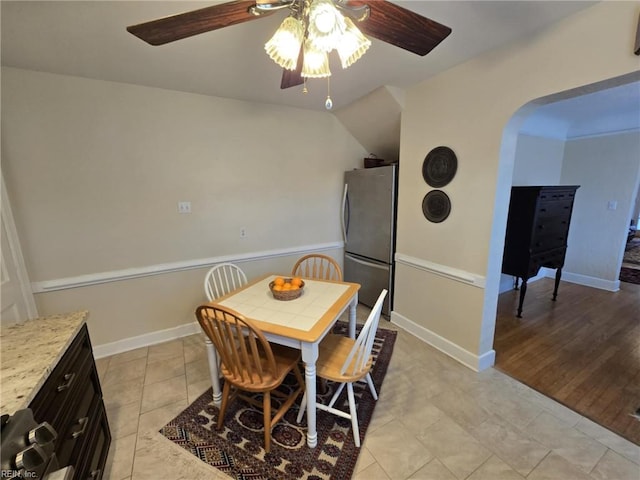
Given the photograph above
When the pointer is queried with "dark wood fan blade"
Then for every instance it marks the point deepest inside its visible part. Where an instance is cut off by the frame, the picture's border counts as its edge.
(401, 27)
(292, 78)
(183, 25)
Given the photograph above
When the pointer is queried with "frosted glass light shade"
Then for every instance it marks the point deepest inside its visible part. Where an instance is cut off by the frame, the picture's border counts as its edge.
(284, 46)
(316, 62)
(326, 25)
(353, 44)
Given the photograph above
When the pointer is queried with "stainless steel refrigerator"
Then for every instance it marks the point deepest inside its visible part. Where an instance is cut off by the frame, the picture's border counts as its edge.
(368, 226)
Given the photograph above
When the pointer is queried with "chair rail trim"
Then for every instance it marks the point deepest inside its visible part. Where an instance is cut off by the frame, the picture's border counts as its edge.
(456, 274)
(172, 267)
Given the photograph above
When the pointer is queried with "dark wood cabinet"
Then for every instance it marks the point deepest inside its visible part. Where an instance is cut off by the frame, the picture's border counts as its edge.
(537, 231)
(71, 401)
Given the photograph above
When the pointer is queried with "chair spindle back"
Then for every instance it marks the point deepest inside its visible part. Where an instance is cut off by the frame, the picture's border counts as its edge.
(222, 279)
(317, 266)
(360, 353)
(239, 343)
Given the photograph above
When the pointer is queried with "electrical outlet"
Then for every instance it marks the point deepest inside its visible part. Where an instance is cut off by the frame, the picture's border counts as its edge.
(243, 232)
(184, 207)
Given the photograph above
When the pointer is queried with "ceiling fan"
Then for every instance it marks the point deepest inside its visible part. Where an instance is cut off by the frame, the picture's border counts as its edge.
(377, 18)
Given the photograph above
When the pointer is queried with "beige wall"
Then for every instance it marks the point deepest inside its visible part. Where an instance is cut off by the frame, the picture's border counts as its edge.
(468, 108)
(538, 161)
(95, 169)
(607, 168)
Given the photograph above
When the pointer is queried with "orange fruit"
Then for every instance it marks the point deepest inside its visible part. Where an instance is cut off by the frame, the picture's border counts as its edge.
(279, 281)
(297, 281)
(277, 288)
(286, 286)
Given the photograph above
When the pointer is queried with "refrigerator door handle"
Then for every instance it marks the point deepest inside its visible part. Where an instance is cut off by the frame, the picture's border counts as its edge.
(345, 209)
(383, 266)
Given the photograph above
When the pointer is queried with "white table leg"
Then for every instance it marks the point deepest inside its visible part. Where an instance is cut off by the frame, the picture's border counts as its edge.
(212, 355)
(309, 356)
(352, 316)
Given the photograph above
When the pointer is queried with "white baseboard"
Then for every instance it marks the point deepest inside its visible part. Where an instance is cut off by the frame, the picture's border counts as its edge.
(609, 285)
(151, 338)
(506, 282)
(471, 360)
(474, 362)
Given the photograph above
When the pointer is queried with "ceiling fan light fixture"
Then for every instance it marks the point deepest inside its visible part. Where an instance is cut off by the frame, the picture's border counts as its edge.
(284, 45)
(315, 63)
(326, 25)
(312, 30)
(353, 44)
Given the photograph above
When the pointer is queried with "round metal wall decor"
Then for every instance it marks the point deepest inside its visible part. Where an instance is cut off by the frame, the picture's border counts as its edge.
(439, 167)
(436, 206)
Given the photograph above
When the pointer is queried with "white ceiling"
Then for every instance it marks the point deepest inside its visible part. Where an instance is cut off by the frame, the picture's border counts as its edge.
(614, 109)
(89, 39)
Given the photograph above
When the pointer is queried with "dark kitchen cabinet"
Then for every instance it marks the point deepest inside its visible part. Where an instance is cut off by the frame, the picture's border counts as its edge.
(537, 231)
(71, 401)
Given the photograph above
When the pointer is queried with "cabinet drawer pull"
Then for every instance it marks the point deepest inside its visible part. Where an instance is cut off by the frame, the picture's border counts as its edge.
(95, 474)
(69, 378)
(42, 434)
(30, 458)
(83, 422)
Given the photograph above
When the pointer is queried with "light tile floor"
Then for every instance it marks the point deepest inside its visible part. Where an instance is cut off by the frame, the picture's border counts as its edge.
(435, 419)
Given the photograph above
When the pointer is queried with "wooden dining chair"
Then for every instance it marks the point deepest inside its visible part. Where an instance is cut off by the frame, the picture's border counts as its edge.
(249, 363)
(222, 279)
(317, 266)
(345, 361)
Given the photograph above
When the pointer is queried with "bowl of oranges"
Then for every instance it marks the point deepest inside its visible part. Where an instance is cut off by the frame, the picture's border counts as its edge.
(284, 288)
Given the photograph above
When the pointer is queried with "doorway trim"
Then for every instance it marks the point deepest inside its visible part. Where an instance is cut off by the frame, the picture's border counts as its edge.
(505, 180)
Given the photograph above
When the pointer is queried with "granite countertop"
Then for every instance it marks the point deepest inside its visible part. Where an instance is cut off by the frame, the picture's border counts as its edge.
(28, 354)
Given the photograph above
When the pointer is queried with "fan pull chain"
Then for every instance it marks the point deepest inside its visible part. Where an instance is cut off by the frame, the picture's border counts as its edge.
(328, 103)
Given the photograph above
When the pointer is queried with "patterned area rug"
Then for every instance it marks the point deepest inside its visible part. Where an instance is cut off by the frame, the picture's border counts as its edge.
(632, 251)
(237, 449)
(630, 272)
(630, 275)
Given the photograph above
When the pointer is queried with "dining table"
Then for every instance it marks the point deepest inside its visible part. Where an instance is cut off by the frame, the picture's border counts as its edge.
(300, 323)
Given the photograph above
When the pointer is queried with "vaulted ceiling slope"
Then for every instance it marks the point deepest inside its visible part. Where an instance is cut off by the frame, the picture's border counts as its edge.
(89, 39)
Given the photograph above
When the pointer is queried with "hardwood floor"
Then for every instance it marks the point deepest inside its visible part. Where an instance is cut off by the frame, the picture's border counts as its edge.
(582, 350)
